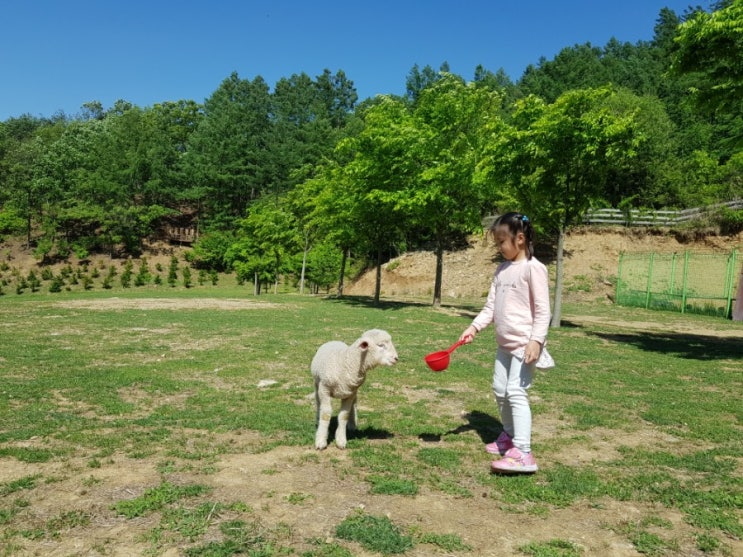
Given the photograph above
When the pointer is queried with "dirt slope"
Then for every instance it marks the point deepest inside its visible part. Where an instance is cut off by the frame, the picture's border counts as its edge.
(591, 261)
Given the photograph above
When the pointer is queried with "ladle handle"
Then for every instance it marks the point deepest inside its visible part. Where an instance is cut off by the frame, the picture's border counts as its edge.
(455, 346)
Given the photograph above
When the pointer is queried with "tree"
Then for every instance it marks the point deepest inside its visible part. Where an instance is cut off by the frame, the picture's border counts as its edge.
(227, 155)
(445, 202)
(326, 204)
(498, 81)
(169, 126)
(649, 179)
(710, 45)
(21, 146)
(574, 67)
(339, 96)
(268, 238)
(307, 119)
(418, 80)
(556, 159)
(410, 173)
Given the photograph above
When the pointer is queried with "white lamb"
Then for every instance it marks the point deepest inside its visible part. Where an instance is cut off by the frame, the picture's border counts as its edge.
(339, 370)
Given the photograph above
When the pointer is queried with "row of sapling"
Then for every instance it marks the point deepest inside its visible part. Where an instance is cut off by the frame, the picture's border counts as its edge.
(84, 275)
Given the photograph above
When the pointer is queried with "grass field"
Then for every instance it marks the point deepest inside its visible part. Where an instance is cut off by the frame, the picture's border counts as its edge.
(181, 422)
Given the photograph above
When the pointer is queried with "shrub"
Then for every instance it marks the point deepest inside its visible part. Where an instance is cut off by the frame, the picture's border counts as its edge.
(143, 275)
(731, 221)
(57, 284)
(126, 276)
(33, 281)
(173, 271)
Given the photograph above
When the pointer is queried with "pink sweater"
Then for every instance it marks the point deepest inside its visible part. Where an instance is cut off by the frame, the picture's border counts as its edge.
(518, 303)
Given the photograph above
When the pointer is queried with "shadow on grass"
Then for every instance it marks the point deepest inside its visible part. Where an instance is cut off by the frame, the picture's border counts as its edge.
(466, 310)
(684, 345)
(361, 433)
(485, 425)
(368, 302)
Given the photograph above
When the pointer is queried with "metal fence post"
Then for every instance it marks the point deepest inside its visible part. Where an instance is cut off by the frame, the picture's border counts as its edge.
(619, 277)
(649, 286)
(730, 282)
(686, 281)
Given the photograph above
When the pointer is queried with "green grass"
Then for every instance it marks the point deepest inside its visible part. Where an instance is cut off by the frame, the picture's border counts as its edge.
(179, 388)
(552, 548)
(157, 498)
(374, 533)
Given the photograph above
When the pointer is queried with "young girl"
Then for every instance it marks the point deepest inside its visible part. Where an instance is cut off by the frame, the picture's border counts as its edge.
(518, 304)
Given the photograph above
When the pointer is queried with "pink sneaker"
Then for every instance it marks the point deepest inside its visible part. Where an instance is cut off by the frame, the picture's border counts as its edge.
(515, 462)
(500, 445)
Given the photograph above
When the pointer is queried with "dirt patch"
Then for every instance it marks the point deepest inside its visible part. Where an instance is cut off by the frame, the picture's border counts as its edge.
(301, 493)
(166, 303)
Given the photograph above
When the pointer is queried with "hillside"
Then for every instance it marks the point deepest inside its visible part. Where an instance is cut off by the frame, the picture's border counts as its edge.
(591, 260)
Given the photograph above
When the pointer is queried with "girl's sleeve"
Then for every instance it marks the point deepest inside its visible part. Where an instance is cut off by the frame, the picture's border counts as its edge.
(539, 286)
(485, 317)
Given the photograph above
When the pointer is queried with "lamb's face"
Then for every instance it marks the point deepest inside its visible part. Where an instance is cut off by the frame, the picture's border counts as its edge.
(381, 349)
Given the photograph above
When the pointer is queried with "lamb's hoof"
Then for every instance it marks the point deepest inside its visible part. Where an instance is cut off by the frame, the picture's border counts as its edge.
(341, 445)
(320, 446)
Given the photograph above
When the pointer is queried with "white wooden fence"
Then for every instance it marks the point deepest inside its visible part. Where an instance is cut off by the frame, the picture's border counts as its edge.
(636, 217)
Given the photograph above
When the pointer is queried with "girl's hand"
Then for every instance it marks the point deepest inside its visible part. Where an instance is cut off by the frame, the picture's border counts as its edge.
(468, 335)
(532, 351)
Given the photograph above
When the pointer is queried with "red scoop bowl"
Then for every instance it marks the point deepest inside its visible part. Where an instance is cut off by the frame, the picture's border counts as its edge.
(439, 361)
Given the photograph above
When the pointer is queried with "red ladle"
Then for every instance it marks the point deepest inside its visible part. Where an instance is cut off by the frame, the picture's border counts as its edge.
(439, 361)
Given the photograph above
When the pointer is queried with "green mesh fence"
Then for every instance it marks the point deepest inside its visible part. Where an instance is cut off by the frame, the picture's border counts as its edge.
(686, 282)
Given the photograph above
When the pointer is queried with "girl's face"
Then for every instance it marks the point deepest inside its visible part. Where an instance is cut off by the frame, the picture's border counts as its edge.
(511, 247)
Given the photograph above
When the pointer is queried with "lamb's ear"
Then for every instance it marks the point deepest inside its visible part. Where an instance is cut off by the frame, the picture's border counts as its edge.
(364, 345)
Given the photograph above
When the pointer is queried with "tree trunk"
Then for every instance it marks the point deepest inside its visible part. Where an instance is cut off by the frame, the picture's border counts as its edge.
(378, 285)
(557, 310)
(439, 274)
(276, 275)
(344, 258)
(29, 226)
(304, 264)
(256, 286)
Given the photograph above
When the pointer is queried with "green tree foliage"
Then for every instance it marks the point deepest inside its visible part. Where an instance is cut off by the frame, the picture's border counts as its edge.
(557, 158)
(419, 79)
(711, 46)
(21, 145)
(443, 197)
(251, 141)
(227, 155)
(410, 172)
(374, 179)
(324, 206)
(268, 239)
(649, 178)
(323, 262)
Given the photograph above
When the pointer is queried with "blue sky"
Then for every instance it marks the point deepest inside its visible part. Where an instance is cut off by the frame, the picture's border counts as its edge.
(57, 55)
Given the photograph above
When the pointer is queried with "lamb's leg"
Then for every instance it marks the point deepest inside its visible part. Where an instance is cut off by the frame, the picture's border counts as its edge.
(344, 415)
(353, 417)
(324, 412)
(317, 405)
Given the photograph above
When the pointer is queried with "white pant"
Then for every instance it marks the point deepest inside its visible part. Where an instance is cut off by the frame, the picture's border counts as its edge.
(511, 380)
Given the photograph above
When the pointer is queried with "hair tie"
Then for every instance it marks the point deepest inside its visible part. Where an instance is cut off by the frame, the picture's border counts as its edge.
(524, 218)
